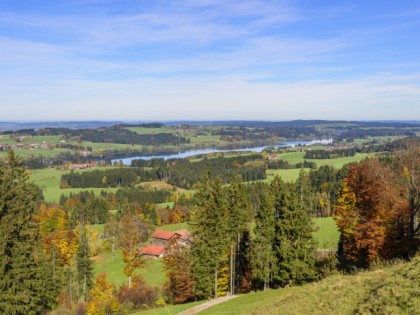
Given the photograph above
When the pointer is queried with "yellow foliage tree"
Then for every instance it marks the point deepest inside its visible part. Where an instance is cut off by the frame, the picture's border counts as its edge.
(102, 299)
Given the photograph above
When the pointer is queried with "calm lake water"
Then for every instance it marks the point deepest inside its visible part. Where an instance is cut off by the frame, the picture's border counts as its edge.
(180, 155)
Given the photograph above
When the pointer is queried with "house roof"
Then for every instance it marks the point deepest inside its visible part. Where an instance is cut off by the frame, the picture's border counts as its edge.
(153, 250)
(164, 235)
(183, 232)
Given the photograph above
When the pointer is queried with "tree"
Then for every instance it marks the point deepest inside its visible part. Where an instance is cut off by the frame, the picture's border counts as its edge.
(408, 169)
(371, 224)
(84, 267)
(180, 284)
(102, 299)
(209, 236)
(305, 192)
(24, 283)
(240, 215)
(294, 245)
(263, 259)
(134, 233)
(59, 241)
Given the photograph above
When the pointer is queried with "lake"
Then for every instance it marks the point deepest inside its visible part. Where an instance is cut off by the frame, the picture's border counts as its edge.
(180, 155)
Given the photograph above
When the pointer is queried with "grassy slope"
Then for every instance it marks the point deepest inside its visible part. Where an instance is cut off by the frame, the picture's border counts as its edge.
(392, 290)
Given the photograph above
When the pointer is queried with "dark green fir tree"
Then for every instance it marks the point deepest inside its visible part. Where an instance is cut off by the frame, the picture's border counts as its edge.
(24, 283)
(210, 238)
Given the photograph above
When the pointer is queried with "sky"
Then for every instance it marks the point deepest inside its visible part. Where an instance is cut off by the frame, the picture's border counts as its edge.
(152, 60)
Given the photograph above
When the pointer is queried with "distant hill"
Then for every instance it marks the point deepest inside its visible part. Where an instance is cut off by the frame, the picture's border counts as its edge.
(6, 126)
(388, 290)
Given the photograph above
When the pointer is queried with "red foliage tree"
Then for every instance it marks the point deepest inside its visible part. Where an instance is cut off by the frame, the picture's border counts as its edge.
(368, 209)
(179, 287)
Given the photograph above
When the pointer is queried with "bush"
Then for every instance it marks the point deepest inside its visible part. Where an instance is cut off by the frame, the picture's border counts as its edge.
(139, 296)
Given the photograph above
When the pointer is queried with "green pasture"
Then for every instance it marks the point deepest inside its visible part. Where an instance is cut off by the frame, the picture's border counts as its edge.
(296, 157)
(175, 227)
(49, 181)
(340, 162)
(292, 157)
(152, 271)
(288, 175)
(36, 152)
(326, 233)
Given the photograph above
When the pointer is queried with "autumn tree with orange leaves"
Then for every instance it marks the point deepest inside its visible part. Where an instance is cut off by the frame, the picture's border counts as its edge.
(367, 211)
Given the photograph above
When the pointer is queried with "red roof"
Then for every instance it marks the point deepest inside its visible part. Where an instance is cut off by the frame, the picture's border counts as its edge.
(153, 250)
(183, 232)
(164, 235)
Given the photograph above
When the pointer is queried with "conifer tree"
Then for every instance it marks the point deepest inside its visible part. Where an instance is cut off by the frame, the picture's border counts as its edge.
(263, 259)
(305, 192)
(24, 286)
(210, 237)
(240, 215)
(294, 245)
(84, 266)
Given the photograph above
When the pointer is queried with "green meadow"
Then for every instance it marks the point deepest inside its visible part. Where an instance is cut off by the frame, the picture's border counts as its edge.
(152, 271)
(49, 180)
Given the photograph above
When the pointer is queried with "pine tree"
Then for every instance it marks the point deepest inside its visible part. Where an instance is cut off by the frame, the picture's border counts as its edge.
(240, 215)
(24, 286)
(210, 237)
(262, 257)
(294, 245)
(305, 192)
(84, 268)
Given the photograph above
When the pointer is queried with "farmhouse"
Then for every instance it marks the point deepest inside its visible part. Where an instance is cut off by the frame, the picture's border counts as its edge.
(161, 239)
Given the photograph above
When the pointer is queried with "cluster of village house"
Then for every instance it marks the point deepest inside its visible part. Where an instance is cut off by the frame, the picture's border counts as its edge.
(161, 239)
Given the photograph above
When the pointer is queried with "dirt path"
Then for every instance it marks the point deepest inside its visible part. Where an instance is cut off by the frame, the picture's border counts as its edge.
(206, 305)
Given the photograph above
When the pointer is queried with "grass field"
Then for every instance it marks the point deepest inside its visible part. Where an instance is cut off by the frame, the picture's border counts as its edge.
(152, 272)
(175, 227)
(296, 157)
(326, 234)
(49, 180)
(388, 290)
(289, 175)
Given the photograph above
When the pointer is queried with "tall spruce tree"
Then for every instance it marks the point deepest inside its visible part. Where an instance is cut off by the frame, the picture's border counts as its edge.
(84, 267)
(305, 192)
(210, 238)
(24, 284)
(294, 245)
(240, 215)
(262, 257)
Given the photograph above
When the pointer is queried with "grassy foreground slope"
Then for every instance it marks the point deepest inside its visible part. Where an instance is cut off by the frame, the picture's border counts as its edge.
(390, 290)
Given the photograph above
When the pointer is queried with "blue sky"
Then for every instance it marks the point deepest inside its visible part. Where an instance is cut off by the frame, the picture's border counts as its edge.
(209, 60)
